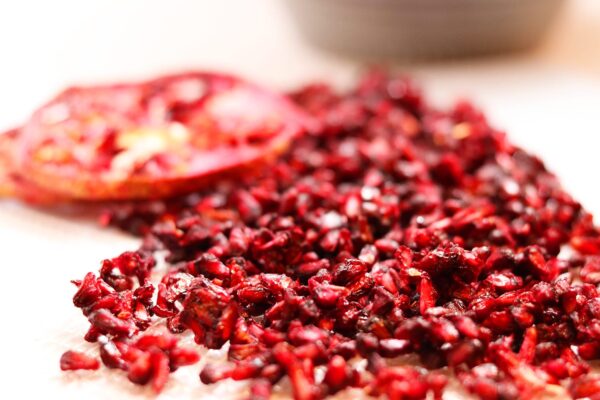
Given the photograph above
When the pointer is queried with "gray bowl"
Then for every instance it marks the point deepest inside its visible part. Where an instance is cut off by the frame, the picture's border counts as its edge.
(423, 28)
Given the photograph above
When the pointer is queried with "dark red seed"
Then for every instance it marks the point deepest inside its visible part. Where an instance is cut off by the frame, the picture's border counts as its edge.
(210, 266)
(366, 344)
(89, 291)
(348, 271)
(327, 296)
(393, 347)
(209, 313)
(106, 322)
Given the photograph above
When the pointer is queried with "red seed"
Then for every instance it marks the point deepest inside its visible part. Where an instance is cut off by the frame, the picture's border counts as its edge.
(209, 313)
(427, 295)
(336, 376)
(180, 357)
(393, 347)
(106, 322)
(89, 291)
(160, 370)
(210, 266)
(74, 360)
(140, 370)
(111, 356)
(212, 373)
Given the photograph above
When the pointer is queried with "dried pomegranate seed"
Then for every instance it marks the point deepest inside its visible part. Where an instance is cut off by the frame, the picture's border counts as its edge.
(74, 360)
(390, 228)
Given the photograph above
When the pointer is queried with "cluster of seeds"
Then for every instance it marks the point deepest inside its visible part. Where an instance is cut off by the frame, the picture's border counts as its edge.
(392, 230)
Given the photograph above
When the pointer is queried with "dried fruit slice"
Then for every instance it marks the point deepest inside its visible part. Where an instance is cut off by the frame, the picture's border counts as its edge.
(158, 138)
(7, 186)
(12, 184)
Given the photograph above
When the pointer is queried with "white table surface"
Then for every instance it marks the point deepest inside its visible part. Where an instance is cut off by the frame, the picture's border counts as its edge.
(547, 102)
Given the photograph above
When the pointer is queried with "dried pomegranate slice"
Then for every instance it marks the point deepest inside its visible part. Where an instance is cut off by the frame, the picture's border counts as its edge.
(158, 138)
(7, 140)
(12, 184)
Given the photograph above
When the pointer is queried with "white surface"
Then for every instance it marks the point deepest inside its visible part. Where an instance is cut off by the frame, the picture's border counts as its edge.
(46, 45)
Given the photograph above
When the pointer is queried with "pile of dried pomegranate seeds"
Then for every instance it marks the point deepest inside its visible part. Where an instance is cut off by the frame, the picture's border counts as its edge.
(394, 229)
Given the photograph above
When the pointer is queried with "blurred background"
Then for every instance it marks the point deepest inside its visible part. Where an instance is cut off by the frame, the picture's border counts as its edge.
(547, 96)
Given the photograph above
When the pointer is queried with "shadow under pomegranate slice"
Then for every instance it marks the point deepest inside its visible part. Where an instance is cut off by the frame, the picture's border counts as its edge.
(154, 139)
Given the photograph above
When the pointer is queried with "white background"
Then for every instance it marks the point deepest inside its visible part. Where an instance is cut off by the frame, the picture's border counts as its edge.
(548, 100)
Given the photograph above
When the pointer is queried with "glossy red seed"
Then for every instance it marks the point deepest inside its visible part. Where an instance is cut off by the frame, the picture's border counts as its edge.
(111, 356)
(328, 295)
(336, 375)
(427, 295)
(180, 357)
(393, 347)
(140, 370)
(160, 370)
(74, 360)
(89, 291)
(300, 377)
(106, 322)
